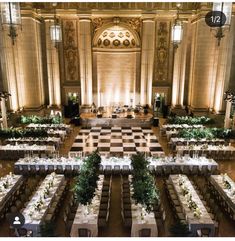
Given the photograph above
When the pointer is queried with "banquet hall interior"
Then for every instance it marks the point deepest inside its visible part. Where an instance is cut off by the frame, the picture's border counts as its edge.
(117, 119)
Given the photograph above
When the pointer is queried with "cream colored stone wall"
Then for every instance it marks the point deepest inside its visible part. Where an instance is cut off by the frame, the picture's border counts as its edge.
(202, 70)
(202, 61)
(31, 64)
(116, 77)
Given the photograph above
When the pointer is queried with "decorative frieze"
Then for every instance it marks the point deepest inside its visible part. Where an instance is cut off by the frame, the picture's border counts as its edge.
(70, 50)
(161, 67)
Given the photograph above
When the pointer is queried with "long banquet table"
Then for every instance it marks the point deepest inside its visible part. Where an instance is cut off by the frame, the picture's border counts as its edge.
(87, 216)
(56, 141)
(121, 163)
(174, 141)
(141, 219)
(9, 184)
(166, 127)
(195, 222)
(65, 127)
(57, 133)
(206, 149)
(228, 195)
(38, 207)
(171, 130)
(18, 151)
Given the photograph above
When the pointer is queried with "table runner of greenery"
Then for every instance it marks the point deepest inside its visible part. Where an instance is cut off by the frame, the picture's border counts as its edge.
(41, 120)
(207, 133)
(86, 182)
(145, 190)
(20, 133)
(199, 120)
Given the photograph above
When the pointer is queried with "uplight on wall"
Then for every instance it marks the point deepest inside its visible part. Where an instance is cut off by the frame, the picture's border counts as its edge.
(11, 17)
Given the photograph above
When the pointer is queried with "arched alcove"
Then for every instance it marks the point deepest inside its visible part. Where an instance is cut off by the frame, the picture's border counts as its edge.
(116, 65)
(116, 36)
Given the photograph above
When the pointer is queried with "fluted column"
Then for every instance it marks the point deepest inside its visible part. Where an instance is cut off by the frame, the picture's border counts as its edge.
(9, 70)
(4, 113)
(31, 62)
(179, 71)
(223, 68)
(227, 114)
(52, 68)
(147, 60)
(84, 40)
(201, 65)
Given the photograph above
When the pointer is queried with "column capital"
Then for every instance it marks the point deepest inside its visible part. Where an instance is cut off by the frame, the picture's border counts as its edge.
(148, 17)
(84, 17)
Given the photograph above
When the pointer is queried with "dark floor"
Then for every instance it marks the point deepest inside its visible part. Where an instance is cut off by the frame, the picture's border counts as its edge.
(115, 227)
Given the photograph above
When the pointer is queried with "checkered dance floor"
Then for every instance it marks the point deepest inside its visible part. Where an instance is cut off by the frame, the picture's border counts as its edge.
(116, 141)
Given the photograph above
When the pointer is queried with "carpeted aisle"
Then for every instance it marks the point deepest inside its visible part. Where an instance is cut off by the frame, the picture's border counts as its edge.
(115, 226)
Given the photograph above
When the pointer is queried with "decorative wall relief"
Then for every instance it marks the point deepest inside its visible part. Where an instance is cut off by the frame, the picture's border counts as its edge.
(126, 34)
(161, 67)
(70, 50)
(134, 23)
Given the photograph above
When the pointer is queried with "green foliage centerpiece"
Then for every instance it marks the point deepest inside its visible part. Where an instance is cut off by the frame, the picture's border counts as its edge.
(205, 133)
(198, 120)
(41, 120)
(86, 182)
(20, 133)
(145, 190)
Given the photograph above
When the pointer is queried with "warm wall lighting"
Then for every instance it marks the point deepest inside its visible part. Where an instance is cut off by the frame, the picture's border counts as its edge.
(10, 16)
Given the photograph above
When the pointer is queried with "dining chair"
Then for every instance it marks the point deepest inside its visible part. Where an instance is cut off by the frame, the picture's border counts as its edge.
(50, 168)
(84, 232)
(108, 170)
(204, 232)
(117, 169)
(125, 169)
(21, 232)
(145, 232)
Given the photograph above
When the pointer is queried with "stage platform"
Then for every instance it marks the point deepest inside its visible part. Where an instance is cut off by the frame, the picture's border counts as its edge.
(121, 120)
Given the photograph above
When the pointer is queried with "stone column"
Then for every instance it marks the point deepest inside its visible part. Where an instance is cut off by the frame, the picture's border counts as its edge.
(31, 62)
(85, 54)
(223, 68)
(8, 65)
(52, 68)
(147, 60)
(201, 65)
(4, 113)
(179, 71)
(227, 114)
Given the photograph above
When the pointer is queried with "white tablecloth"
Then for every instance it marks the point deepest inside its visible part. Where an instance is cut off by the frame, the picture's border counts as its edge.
(88, 220)
(56, 141)
(227, 195)
(123, 163)
(25, 148)
(50, 126)
(175, 140)
(195, 223)
(34, 218)
(147, 221)
(6, 192)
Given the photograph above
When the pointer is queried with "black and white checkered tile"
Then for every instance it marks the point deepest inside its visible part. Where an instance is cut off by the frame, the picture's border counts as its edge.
(117, 141)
